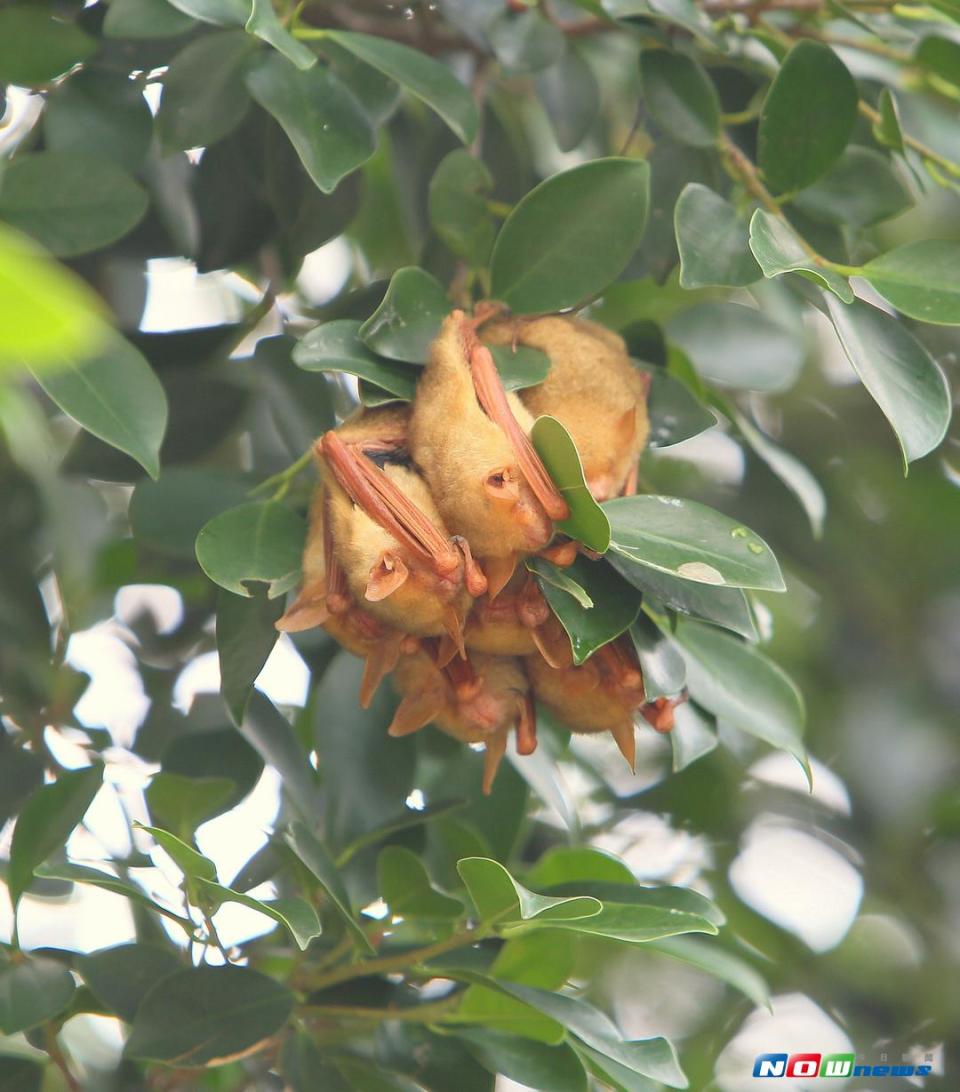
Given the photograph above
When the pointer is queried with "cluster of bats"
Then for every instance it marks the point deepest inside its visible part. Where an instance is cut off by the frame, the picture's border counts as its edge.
(424, 513)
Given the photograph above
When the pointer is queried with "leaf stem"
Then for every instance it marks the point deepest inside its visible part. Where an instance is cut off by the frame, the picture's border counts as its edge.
(281, 481)
(420, 1014)
(923, 150)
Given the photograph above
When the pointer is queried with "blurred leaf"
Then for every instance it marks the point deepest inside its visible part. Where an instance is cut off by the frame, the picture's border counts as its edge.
(122, 976)
(525, 41)
(578, 864)
(694, 735)
(182, 803)
(807, 118)
(377, 94)
(556, 577)
(204, 96)
(257, 542)
(571, 236)
(145, 19)
(904, 380)
(207, 1016)
(216, 750)
(887, 131)
(21, 774)
(662, 665)
(245, 638)
(920, 279)
(526, 1061)
(47, 821)
(268, 731)
(587, 523)
(223, 12)
(336, 347)
(405, 886)
(408, 319)
(36, 48)
(941, 56)
(690, 540)
(676, 414)
(20, 1074)
(779, 250)
(190, 862)
(32, 992)
(325, 123)
(457, 206)
(713, 241)
(738, 346)
(265, 24)
(680, 96)
(862, 188)
(117, 397)
(70, 202)
(710, 957)
(570, 95)
(419, 74)
(167, 514)
(306, 1069)
(406, 820)
(500, 899)
(296, 915)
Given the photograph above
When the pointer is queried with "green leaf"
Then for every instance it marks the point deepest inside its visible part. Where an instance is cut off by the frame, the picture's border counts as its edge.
(921, 279)
(122, 976)
(694, 735)
(557, 578)
(587, 523)
(296, 915)
(570, 96)
(21, 774)
(336, 347)
(405, 886)
(680, 96)
(457, 206)
(941, 56)
(245, 638)
(578, 864)
(101, 114)
(167, 514)
(779, 250)
(326, 125)
(862, 188)
(406, 820)
(47, 313)
(737, 683)
(258, 542)
(378, 95)
(525, 41)
(20, 1074)
(47, 821)
(613, 610)
(221, 12)
(36, 48)
(117, 397)
(266, 25)
(536, 1065)
(32, 992)
(521, 367)
(207, 1016)
(570, 236)
(204, 95)
(421, 75)
(738, 346)
(500, 899)
(887, 130)
(406, 322)
(708, 956)
(182, 803)
(190, 862)
(312, 853)
(664, 673)
(712, 240)
(145, 19)
(305, 1067)
(690, 540)
(902, 377)
(71, 203)
(807, 117)
(676, 414)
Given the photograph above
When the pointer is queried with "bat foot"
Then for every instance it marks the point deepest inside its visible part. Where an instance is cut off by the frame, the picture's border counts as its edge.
(562, 554)
(659, 713)
(473, 575)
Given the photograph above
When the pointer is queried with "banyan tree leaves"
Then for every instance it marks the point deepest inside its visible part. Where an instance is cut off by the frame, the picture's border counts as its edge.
(920, 279)
(260, 542)
(36, 47)
(336, 347)
(409, 317)
(680, 96)
(457, 206)
(778, 249)
(713, 241)
(31, 992)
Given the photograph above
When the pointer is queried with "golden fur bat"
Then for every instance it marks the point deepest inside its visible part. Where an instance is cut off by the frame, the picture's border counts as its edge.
(476, 701)
(592, 389)
(470, 440)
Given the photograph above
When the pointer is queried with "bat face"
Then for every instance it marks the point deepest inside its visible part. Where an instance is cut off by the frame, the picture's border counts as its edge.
(592, 389)
(518, 622)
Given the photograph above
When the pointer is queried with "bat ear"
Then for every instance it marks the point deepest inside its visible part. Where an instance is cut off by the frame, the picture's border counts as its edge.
(386, 576)
(626, 427)
(503, 484)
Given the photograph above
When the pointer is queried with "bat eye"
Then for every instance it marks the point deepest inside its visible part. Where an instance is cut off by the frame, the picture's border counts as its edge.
(502, 484)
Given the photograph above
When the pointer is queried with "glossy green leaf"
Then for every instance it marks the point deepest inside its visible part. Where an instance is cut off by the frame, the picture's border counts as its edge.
(807, 117)
(707, 955)
(123, 975)
(778, 249)
(32, 992)
(336, 347)
(296, 915)
(246, 635)
(521, 367)
(738, 346)
(614, 605)
(377, 94)
(572, 235)
(457, 206)
(408, 319)
(713, 241)
(47, 314)
(190, 862)
(690, 540)
(326, 125)
(694, 735)
(419, 74)
(405, 820)
(46, 822)
(536, 1065)
(204, 95)
(500, 899)
(862, 188)
(921, 279)
(207, 1015)
(117, 397)
(739, 684)
(664, 673)
(902, 377)
(578, 864)
(258, 542)
(557, 577)
(680, 96)
(145, 19)
(405, 886)
(676, 414)
(941, 56)
(587, 522)
(167, 514)
(570, 95)
(71, 203)
(265, 24)
(36, 48)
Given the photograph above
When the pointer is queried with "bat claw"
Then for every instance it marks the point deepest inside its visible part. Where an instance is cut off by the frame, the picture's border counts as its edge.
(473, 575)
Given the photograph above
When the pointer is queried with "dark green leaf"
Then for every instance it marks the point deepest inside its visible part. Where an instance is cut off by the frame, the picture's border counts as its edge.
(921, 279)
(941, 56)
(405, 820)
(779, 250)
(336, 347)
(36, 48)
(122, 976)
(182, 803)
(676, 414)
(32, 992)
(21, 774)
(457, 206)
(265, 24)
(570, 95)
(520, 367)
(807, 118)
(296, 915)
(221, 12)
(694, 735)
(20, 1074)
(690, 540)
(305, 1067)
(257, 542)
(408, 319)
(713, 241)
(500, 899)
(525, 41)
(862, 188)
(245, 638)
(326, 125)
(46, 822)
(378, 95)
(571, 236)
(710, 957)
(207, 1014)
(528, 1062)
(70, 202)
(680, 96)
(405, 886)
(887, 131)
(167, 514)
(145, 19)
